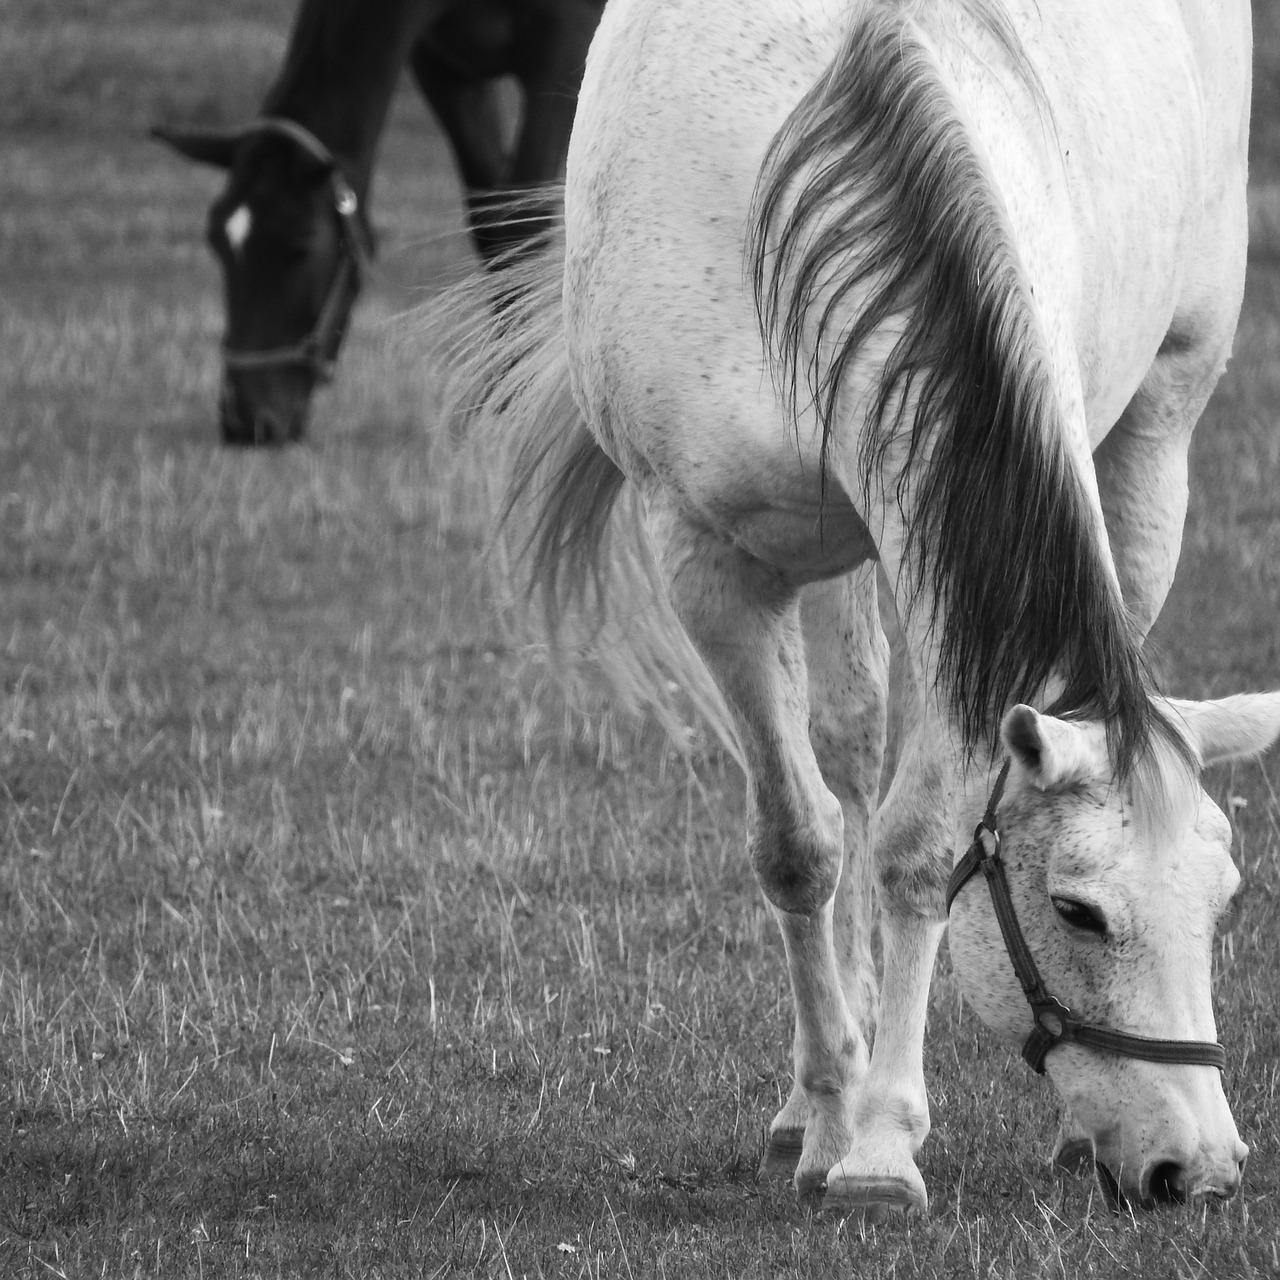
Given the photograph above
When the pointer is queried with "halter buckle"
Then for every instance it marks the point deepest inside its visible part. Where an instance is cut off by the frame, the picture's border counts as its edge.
(1053, 1016)
(344, 198)
(990, 852)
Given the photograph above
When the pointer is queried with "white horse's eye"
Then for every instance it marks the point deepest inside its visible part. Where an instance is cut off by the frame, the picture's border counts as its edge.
(1079, 915)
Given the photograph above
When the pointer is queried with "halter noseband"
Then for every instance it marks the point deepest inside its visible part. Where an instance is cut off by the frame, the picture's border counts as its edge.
(1054, 1022)
(318, 351)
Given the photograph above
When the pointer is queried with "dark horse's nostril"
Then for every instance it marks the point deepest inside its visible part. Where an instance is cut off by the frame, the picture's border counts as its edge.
(268, 428)
(1167, 1184)
(237, 423)
(256, 427)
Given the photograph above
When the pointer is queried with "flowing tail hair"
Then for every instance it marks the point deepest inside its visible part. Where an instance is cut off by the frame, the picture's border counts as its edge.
(875, 208)
(574, 561)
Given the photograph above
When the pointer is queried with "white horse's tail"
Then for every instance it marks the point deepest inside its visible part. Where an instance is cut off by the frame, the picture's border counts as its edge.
(572, 540)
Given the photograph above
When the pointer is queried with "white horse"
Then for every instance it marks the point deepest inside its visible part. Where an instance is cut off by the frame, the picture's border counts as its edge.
(943, 284)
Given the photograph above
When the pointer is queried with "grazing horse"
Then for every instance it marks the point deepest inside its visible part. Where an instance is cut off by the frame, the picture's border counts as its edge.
(944, 285)
(291, 228)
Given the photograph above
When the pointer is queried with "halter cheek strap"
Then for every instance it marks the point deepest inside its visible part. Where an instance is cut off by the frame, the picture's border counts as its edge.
(318, 351)
(1054, 1022)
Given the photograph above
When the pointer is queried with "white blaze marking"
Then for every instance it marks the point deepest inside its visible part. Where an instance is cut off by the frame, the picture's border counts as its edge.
(238, 227)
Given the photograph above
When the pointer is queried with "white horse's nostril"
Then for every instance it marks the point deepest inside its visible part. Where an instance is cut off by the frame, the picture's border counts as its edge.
(1165, 1183)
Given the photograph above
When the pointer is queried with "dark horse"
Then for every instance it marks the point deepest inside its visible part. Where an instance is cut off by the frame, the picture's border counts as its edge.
(291, 227)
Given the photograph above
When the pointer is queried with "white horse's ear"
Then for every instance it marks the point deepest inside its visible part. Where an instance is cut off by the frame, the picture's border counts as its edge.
(1228, 728)
(1053, 752)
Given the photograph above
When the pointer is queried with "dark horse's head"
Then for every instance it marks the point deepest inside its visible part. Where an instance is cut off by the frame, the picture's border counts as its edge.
(293, 243)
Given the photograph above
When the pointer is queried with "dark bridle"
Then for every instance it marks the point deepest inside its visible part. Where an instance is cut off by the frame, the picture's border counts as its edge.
(1054, 1022)
(318, 350)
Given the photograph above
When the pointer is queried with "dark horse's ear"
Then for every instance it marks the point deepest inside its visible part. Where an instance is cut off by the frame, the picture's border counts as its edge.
(203, 145)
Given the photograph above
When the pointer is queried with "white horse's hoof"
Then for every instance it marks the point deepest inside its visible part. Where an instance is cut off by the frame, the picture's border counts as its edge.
(782, 1153)
(876, 1197)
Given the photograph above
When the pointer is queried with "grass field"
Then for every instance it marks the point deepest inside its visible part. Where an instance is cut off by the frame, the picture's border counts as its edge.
(332, 942)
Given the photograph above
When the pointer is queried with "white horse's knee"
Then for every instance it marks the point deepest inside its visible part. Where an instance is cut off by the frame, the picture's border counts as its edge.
(798, 864)
(912, 862)
(912, 868)
(913, 833)
(829, 1079)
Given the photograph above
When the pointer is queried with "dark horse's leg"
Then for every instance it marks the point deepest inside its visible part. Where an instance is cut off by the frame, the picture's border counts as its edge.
(471, 111)
(550, 73)
(544, 49)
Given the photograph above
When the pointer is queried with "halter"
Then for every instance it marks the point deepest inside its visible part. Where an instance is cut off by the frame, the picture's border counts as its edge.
(1054, 1022)
(318, 351)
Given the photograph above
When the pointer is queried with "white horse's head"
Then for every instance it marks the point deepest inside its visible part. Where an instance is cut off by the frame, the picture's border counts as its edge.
(1119, 912)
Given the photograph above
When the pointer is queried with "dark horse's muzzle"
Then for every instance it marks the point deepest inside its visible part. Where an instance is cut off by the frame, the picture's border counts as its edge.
(265, 408)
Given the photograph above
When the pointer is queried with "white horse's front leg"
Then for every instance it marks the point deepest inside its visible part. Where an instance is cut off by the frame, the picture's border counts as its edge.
(878, 1173)
(744, 618)
(847, 659)
(830, 1056)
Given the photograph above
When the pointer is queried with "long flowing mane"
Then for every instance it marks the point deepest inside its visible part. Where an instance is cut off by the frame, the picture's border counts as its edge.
(874, 208)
